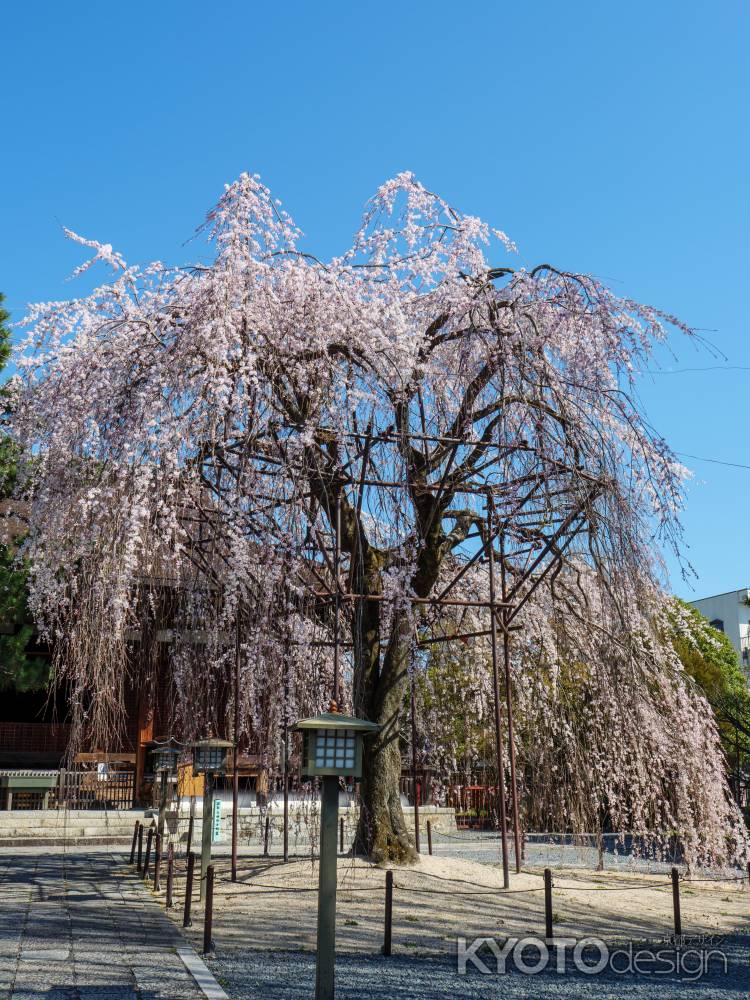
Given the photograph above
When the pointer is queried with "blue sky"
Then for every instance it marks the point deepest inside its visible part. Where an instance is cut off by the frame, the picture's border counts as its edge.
(607, 138)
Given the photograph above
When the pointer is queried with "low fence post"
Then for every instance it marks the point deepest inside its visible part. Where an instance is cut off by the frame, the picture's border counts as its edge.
(208, 917)
(388, 930)
(149, 842)
(341, 835)
(548, 903)
(170, 875)
(140, 848)
(157, 863)
(265, 836)
(676, 903)
(135, 841)
(748, 871)
(191, 827)
(186, 921)
(429, 837)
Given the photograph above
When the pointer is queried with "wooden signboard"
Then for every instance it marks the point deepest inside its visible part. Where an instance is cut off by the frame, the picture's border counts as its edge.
(188, 784)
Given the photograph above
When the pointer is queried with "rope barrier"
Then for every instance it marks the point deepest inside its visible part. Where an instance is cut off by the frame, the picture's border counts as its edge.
(499, 892)
(728, 878)
(180, 870)
(349, 888)
(656, 886)
(461, 881)
(262, 888)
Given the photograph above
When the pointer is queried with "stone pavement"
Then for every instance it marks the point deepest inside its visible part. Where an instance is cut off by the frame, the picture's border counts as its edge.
(75, 925)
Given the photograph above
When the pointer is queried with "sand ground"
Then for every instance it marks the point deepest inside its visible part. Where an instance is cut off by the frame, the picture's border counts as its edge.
(272, 906)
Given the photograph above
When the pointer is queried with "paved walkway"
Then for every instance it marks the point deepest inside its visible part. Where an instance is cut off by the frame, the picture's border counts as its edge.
(76, 926)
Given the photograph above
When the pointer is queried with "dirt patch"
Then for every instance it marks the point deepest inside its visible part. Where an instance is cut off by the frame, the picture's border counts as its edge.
(273, 906)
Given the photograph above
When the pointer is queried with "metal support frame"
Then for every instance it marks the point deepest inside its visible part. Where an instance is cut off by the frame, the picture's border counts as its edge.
(521, 573)
(236, 752)
(498, 722)
(415, 789)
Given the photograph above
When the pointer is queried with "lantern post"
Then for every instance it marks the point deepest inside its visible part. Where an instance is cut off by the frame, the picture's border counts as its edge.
(209, 759)
(164, 757)
(332, 746)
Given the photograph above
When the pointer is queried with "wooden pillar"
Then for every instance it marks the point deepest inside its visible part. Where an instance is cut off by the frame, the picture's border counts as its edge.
(145, 735)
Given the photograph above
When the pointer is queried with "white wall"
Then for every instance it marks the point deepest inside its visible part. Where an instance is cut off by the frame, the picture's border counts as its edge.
(734, 611)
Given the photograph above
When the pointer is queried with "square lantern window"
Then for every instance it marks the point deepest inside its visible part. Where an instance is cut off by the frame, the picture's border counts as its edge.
(332, 744)
(210, 756)
(164, 756)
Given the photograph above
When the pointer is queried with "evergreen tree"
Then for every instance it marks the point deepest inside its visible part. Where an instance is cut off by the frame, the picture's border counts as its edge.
(18, 668)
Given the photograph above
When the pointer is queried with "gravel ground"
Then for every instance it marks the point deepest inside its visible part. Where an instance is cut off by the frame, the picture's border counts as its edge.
(246, 974)
(541, 851)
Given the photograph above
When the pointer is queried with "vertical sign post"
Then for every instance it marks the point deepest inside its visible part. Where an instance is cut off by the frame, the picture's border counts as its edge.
(209, 759)
(216, 822)
(206, 828)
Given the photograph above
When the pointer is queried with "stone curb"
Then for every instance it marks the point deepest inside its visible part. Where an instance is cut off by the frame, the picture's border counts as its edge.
(204, 978)
(201, 974)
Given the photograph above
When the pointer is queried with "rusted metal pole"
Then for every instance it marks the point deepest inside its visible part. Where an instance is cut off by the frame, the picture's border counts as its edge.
(548, 903)
(170, 876)
(337, 607)
(286, 754)
(146, 860)
(676, 903)
(191, 826)
(265, 836)
(498, 718)
(512, 749)
(236, 748)
(208, 917)
(341, 835)
(509, 707)
(429, 837)
(388, 929)
(140, 848)
(186, 921)
(415, 789)
(157, 863)
(135, 841)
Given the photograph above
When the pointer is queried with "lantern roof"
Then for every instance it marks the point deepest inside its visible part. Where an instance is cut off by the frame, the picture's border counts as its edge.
(167, 746)
(212, 741)
(335, 720)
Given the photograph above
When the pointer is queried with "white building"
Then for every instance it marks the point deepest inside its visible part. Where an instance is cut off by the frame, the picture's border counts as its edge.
(730, 613)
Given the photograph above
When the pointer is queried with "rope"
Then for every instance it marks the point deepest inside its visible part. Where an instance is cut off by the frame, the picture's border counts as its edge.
(462, 881)
(446, 892)
(656, 886)
(728, 878)
(279, 888)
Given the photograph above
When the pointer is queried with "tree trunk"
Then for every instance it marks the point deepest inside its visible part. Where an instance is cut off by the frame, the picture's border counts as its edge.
(382, 834)
(380, 685)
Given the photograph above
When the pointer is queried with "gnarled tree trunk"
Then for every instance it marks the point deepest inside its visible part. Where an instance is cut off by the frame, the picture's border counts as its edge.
(382, 834)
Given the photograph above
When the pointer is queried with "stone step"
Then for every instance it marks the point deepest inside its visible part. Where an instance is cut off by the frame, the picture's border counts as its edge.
(38, 826)
(55, 820)
(47, 841)
(57, 815)
(76, 831)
